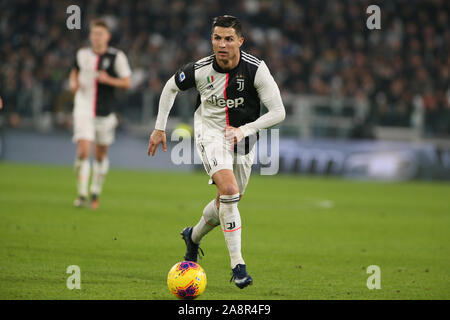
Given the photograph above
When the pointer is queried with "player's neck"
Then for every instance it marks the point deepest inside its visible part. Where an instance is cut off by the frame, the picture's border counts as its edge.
(230, 64)
(100, 50)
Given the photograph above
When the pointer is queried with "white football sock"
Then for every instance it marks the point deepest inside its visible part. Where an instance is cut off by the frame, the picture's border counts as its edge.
(208, 221)
(83, 170)
(99, 171)
(230, 220)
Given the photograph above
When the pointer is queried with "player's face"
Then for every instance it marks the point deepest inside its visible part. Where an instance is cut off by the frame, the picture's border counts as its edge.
(99, 37)
(226, 43)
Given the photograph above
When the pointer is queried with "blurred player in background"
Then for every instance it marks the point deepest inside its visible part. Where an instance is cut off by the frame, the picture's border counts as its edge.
(231, 85)
(98, 70)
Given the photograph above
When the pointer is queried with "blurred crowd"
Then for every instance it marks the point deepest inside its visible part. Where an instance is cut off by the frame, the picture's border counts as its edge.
(311, 47)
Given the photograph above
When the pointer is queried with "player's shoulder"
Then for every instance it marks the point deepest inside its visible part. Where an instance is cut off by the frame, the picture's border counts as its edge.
(114, 51)
(251, 59)
(204, 62)
(84, 50)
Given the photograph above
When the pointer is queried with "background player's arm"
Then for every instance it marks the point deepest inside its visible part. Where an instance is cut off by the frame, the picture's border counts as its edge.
(74, 84)
(270, 96)
(123, 71)
(105, 78)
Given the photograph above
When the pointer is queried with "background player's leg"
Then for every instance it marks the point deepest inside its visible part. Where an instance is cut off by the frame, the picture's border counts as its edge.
(104, 137)
(100, 169)
(229, 215)
(82, 168)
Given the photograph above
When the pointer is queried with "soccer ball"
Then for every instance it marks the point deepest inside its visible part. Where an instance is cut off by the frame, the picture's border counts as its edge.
(186, 280)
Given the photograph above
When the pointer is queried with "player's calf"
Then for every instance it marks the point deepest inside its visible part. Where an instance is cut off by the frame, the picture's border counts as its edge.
(83, 169)
(99, 170)
(230, 221)
(208, 221)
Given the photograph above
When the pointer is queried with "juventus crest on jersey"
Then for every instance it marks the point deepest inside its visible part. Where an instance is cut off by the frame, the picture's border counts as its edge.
(226, 97)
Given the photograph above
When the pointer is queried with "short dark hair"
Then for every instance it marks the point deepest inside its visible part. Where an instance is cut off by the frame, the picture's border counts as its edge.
(99, 23)
(227, 21)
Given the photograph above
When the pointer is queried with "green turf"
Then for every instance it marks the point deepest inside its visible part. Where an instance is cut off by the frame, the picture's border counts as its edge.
(303, 238)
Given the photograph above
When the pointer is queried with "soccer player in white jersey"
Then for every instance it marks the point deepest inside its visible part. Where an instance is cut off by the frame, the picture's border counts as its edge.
(231, 85)
(98, 70)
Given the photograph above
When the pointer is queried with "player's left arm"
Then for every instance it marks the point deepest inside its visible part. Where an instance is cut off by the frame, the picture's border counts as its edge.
(269, 95)
(74, 83)
(123, 71)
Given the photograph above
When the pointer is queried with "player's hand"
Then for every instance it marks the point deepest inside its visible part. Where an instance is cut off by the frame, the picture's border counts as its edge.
(103, 77)
(74, 85)
(157, 137)
(1, 103)
(233, 135)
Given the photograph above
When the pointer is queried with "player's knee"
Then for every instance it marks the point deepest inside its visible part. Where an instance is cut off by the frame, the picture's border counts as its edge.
(229, 189)
(83, 155)
(83, 149)
(100, 157)
(101, 153)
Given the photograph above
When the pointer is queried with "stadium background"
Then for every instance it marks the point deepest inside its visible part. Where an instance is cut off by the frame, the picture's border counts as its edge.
(364, 104)
(339, 79)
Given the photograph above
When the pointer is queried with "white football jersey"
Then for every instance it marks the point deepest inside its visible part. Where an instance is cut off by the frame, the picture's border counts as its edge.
(227, 97)
(93, 98)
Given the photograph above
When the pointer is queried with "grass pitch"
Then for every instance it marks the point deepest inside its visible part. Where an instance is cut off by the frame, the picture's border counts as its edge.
(303, 238)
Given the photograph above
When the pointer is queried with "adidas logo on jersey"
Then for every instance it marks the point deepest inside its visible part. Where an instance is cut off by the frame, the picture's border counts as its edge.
(230, 103)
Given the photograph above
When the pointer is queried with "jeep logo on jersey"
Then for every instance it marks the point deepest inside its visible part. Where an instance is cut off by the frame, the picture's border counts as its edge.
(230, 103)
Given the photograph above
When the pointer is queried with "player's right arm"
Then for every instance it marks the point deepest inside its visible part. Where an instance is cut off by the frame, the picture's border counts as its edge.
(74, 84)
(183, 79)
(166, 101)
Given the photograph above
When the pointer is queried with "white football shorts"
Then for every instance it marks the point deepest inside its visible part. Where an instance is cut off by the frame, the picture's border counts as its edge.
(100, 130)
(217, 155)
